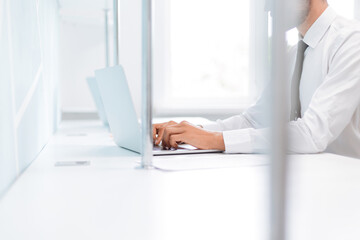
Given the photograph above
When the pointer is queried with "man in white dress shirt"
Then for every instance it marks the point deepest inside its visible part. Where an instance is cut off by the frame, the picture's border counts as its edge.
(328, 90)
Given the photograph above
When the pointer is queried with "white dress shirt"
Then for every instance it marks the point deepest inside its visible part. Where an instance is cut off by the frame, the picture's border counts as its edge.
(329, 96)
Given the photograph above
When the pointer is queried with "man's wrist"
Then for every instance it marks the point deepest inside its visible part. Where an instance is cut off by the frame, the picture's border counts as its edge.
(219, 141)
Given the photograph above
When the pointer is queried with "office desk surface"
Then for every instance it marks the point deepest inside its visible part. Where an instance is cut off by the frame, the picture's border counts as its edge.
(112, 199)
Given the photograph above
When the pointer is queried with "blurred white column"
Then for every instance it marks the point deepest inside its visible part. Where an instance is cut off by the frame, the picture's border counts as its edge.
(279, 135)
(357, 9)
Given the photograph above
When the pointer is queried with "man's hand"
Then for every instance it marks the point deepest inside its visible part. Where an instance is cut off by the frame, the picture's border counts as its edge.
(171, 134)
(158, 131)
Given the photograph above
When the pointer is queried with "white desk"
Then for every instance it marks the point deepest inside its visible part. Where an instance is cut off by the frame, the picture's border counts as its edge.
(111, 199)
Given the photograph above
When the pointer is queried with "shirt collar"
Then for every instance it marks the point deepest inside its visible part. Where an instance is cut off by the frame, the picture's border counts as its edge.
(319, 27)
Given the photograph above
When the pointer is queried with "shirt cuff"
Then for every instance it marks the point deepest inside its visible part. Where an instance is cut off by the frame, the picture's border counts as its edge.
(238, 141)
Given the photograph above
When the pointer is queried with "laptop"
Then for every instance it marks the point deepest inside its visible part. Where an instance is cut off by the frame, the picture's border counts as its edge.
(91, 81)
(121, 115)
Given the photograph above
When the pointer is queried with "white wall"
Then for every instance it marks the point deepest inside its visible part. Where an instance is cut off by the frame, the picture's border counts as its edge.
(28, 82)
(82, 50)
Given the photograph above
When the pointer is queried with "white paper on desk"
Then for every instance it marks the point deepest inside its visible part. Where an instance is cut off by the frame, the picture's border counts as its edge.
(208, 161)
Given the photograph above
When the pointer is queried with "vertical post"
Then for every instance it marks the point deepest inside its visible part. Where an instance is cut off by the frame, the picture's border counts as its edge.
(278, 118)
(357, 9)
(259, 45)
(106, 27)
(146, 114)
(116, 31)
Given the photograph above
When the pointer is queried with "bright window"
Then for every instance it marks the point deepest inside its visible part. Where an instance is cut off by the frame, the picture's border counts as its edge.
(206, 61)
(343, 7)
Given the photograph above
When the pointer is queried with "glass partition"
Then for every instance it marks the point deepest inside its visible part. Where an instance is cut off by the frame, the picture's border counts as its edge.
(28, 83)
(213, 67)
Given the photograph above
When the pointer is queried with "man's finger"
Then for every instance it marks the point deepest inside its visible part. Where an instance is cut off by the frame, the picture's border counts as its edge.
(160, 131)
(170, 131)
(175, 139)
(157, 131)
(154, 133)
(159, 135)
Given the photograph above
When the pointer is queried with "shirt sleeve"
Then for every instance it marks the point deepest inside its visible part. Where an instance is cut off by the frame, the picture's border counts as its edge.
(330, 111)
